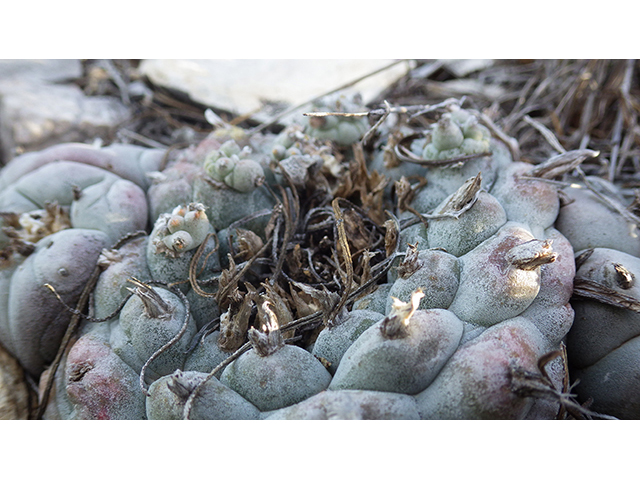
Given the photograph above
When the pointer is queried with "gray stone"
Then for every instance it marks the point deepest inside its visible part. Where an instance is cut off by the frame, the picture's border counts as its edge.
(51, 71)
(249, 86)
(35, 116)
(37, 110)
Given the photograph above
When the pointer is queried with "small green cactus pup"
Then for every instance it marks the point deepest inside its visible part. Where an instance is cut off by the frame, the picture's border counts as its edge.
(173, 243)
(273, 375)
(402, 353)
(184, 229)
(343, 130)
(456, 134)
(462, 136)
(334, 340)
(476, 383)
(436, 272)
(98, 384)
(226, 205)
(150, 319)
(350, 405)
(500, 278)
(168, 396)
(301, 154)
(231, 166)
(36, 323)
(589, 222)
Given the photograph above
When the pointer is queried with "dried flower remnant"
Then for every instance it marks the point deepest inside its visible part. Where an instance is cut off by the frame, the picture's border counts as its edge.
(396, 323)
(184, 229)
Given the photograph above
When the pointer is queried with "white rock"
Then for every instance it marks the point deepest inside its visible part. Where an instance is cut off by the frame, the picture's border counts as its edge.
(246, 86)
(40, 70)
(35, 115)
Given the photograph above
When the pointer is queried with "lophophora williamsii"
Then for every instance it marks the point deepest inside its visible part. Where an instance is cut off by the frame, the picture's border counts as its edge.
(479, 290)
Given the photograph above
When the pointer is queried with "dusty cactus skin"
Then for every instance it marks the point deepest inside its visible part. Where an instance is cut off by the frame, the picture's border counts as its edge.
(168, 395)
(476, 382)
(436, 272)
(588, 222)
(129, 261)
(601, 328)
(526, 199)
(284, 378)
(405, 364)
(97, 384)
(149, 320)
(126, 161)
(36, 323)
(116, 207)
(206, 355)
(333, 341)
(602, 344)
(273, 375)
(510, 281)
(350, 405)
(459, 235)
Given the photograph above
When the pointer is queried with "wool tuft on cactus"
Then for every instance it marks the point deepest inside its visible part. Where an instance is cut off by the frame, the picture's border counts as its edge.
(341, 268)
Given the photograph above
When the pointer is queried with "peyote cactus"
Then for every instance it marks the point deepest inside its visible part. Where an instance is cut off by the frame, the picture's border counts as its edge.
(603, 343)
(260, 277)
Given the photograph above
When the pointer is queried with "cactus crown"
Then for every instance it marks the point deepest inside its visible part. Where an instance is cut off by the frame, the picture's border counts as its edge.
(233, 167)
(457, 134)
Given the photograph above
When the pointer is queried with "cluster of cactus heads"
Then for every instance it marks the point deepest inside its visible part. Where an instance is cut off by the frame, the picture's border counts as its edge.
(256, 277)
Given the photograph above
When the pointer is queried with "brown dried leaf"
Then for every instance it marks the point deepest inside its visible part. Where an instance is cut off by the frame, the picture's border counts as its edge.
(411, 263)
(234, 323)
(391, 237)
(249, 243)
(358, 236)
(274, 296)
(584, 288)
(310, 300)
